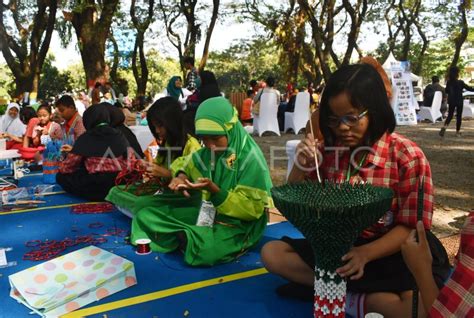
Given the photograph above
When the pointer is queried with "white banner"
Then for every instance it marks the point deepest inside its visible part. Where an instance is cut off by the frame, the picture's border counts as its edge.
(403, 101)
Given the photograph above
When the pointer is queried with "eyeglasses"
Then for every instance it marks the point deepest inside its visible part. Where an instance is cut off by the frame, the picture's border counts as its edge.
(349, 120)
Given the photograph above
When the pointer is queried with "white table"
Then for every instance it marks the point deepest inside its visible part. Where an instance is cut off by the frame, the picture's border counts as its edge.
(143, 134)
(9, 154)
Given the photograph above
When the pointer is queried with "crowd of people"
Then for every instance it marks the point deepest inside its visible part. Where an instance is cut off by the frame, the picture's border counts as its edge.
(208, 203)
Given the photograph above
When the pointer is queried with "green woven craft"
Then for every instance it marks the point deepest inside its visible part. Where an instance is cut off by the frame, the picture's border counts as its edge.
(331, 216)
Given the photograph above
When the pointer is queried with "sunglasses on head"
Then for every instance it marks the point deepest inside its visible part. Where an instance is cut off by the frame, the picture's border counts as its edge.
(349, 120)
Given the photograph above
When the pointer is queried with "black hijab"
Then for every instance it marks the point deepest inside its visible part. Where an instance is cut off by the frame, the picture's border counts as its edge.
(100, 138)
(209, 87)
(117, 120)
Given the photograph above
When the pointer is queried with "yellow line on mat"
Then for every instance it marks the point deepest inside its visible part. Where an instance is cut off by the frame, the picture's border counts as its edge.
(163, 293)
(46, 208)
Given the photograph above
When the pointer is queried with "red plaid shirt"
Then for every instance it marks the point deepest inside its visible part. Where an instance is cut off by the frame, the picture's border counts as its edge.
(92, 164)
(456, 298)
(394, 162)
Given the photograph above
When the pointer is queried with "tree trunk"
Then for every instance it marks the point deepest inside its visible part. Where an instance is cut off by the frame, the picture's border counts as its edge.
(141, 75)
(92, 32)
(419, 63)
(461, 38)
(205, 51)
(357, 17)
(113, 70)
(93, 59)
(318, 41)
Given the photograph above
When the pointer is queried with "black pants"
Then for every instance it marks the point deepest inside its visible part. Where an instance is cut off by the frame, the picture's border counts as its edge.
(451, 109)
(387, 274)
(93, 187)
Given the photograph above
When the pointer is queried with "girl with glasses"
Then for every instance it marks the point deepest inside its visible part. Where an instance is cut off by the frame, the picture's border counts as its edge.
(359, 145)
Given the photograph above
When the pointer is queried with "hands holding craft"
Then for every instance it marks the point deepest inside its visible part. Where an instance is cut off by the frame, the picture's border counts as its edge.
(182, 183)
(152, 170)
(66, 148)
(305, 151)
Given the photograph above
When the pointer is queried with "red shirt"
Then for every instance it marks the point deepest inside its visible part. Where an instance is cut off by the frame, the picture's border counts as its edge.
(456, 298)
(31, 126)
(246, 108)
(397, 163)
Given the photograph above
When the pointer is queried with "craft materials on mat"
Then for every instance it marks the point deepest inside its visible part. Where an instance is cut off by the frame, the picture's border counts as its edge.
(7, 183)
(137, 175)
(66, 283)
(93, 208)
(331, 216)
(143, 246)
(27, 193)
(3, 257)
(25, 198)
(47, 249)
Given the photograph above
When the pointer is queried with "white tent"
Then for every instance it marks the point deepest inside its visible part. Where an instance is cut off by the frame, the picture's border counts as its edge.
(387, 65)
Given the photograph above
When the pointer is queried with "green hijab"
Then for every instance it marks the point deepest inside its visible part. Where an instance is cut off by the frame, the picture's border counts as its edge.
(172, 90)
(242, 163)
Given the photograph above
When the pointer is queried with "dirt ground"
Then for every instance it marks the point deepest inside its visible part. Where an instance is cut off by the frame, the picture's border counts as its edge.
(452, 165)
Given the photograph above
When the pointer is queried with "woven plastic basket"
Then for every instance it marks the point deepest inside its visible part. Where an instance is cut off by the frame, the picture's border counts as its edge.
(331, 216)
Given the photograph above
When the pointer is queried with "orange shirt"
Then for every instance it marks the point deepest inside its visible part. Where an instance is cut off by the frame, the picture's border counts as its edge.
(246, 108)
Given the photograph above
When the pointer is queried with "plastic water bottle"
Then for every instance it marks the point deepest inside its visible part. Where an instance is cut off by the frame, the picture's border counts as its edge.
(138, 119)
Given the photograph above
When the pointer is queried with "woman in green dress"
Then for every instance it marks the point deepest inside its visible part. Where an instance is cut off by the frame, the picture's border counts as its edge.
(233, 180)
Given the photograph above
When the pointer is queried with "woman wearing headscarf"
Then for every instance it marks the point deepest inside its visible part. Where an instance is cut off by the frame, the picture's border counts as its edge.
(117, 121)
(224, 173)
(174, 88)
(96, 158)
(11, 127)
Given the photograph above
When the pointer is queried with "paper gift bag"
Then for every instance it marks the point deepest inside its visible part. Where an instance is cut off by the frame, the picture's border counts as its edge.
(72, 281)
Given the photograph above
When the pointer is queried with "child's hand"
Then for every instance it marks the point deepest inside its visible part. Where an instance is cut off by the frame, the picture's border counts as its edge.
(179, 184)
(356, 260)
(417, 255)
(305, 152)
(203, 184)
(154, 170)
(66, 148)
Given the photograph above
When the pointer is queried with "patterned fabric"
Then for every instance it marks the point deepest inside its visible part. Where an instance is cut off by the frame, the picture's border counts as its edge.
(191, 79)
(394, 162)
(92, 164)
(75, 126)
(456, 298)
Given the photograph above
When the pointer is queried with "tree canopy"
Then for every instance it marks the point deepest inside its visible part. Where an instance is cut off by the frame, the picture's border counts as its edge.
(297, 41)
